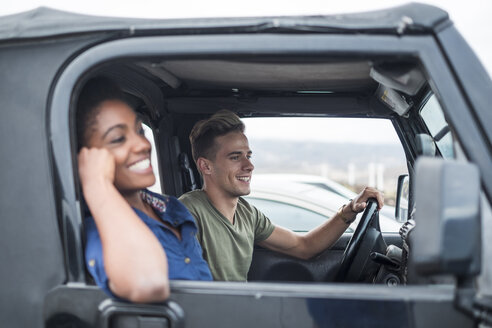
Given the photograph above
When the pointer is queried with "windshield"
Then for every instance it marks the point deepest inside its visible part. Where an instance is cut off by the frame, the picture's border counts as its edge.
(438, 128)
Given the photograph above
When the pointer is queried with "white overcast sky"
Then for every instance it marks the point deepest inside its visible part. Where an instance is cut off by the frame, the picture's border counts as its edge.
(471, 17)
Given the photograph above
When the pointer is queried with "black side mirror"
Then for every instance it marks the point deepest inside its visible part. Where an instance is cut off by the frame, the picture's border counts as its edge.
(402, 198)
(447, 234)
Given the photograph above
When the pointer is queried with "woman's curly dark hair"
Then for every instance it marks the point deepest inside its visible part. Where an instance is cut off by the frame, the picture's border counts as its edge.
(95, 91)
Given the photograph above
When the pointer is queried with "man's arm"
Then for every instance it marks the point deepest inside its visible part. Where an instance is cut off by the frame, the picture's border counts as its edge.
(322, 237)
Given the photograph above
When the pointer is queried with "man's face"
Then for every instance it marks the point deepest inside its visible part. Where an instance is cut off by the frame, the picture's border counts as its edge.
(231, 169)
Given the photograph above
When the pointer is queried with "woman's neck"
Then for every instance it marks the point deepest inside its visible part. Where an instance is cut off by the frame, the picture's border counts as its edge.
(135, 200)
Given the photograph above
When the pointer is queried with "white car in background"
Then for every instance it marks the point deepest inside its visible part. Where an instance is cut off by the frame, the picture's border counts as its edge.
(302, 202)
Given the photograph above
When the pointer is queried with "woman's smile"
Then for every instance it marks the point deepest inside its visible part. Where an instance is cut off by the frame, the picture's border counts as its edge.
(142, 166)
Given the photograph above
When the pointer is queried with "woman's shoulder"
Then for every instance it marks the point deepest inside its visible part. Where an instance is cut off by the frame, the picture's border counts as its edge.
(168, 206)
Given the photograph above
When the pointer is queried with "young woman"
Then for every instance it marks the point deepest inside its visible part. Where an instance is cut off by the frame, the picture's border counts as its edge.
(136, 240)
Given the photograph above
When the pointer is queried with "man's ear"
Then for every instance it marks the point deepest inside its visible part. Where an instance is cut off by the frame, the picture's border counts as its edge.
(204, 165)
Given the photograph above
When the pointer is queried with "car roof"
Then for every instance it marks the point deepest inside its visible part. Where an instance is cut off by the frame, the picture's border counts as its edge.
(307, 179)
(297, 190)
(46, 22)
(307, 196)
(316, 193)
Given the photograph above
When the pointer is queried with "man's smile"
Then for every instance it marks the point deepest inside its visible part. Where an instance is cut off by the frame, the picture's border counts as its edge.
(245, 179)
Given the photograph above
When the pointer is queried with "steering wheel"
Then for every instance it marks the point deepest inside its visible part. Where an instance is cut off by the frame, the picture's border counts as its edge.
(368, 235)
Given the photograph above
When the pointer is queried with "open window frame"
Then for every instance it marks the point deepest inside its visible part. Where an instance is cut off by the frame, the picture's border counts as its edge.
(266, 300)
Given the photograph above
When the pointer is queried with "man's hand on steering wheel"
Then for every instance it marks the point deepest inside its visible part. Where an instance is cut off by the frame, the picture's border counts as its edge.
(351, 270)
(349, 211)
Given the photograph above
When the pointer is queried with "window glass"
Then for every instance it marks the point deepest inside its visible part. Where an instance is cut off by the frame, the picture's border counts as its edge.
(445, 146)
(323, 161)
(153, 160)
(434, 119)
(292, 217)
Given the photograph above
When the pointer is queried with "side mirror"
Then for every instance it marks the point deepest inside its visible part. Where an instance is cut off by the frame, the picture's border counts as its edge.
(447, 234)
(402, 198)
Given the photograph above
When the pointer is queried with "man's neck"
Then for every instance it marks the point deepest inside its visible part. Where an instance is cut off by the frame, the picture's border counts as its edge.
(225, 204)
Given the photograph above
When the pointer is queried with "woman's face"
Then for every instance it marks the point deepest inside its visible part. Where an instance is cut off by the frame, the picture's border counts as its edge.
(118, 129)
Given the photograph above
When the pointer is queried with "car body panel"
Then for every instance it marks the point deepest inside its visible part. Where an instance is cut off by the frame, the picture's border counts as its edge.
(30, 236)
(324, 305)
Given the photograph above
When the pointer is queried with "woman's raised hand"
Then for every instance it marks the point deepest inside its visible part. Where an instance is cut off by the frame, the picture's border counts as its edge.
(96, 165)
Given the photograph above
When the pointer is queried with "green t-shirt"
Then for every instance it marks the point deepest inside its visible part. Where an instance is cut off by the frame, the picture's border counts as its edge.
(227, 247)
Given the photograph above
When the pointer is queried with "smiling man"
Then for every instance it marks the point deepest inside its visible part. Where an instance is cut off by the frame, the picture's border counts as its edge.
(228, 225)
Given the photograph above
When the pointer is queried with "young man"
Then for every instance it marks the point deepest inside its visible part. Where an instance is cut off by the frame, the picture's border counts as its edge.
(228, 225)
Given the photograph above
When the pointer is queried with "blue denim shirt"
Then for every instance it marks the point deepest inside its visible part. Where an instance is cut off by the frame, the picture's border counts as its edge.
(184, 256)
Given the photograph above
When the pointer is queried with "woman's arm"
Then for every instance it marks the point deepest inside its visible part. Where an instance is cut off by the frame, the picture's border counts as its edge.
(134, 260)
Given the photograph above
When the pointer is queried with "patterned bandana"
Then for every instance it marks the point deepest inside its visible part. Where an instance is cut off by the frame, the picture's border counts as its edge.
(158, 204)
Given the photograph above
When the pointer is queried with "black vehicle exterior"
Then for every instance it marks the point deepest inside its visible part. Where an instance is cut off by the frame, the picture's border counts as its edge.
(45, 56)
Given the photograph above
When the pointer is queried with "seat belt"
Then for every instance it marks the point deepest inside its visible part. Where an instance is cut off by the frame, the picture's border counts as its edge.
(189, 182)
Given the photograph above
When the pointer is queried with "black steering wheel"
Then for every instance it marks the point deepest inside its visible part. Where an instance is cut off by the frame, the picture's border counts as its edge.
(366, 238)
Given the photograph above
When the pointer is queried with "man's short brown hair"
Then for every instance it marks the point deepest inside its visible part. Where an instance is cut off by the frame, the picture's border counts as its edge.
(203, 134)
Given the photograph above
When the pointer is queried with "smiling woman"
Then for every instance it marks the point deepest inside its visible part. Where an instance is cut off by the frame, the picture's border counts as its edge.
(129, 228)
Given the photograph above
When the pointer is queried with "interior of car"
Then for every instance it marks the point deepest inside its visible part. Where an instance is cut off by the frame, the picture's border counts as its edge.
(172, 94)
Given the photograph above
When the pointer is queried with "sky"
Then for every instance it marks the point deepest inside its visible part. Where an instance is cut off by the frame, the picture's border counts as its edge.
(471, 18)
(340, 130)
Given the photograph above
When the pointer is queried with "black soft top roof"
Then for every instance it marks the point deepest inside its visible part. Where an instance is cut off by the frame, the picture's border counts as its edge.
(47, 22)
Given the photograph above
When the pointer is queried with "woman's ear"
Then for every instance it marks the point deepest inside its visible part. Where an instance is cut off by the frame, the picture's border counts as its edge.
(204, 165)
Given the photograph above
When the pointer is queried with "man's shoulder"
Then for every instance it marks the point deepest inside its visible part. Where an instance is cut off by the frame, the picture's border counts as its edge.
(244, 206)
(194, 200)
(192, 196)
(263, 227)
(244, 203)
